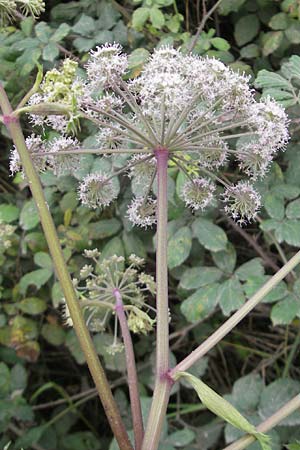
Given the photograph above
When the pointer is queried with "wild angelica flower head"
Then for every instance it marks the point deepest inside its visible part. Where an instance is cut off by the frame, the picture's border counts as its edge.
(96, 291)
(242, 202)
(97, 190)
(9, 8)
(202, 112)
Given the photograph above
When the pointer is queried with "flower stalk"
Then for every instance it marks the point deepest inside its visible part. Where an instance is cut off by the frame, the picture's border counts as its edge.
(135, 403)
(62, 273)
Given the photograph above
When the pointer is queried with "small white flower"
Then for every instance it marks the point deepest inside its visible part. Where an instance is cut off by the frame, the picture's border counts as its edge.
(242, 202)
(141, 212)
(198, 193)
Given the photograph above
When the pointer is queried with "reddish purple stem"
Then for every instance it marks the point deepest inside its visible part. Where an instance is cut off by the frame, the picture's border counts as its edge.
(135, 403)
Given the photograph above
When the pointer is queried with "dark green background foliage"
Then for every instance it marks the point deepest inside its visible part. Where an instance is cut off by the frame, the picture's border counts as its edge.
(46, 394)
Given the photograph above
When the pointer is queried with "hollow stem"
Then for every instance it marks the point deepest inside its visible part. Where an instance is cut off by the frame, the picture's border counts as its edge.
(135, 403)
(162, 381)
(224, 329)
(63, 275)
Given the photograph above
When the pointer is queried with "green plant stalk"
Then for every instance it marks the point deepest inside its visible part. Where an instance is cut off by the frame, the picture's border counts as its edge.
(162, 381)
(136, 410)
(63, 275)
(268, 424)
(224, 329)
(291, 355)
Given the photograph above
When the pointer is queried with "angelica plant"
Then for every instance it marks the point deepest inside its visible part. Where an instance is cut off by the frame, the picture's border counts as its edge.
(9, 9)
(182, 111)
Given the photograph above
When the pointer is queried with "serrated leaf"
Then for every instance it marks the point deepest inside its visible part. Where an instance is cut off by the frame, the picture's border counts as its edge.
(179, 247)
(220, 44)
(277, 394)
(293, 32)
(279, 21)
(228, 6)
(200, 276)
(266, 79)
(211, 236)
(32, 305)
(61, 32)
(253, 284)
(284, 312)
(9, 213)
(181, 438)
(36, 278)
(139, 17)
(271, 42)
(274, 206)
(43, 32)
(157, 18)
(50, 52)
(53, 333)
(84, 26)
(200, 304)
(246, 392)
(252, 268)
(223, 409)
(293, 210)
(246, 28)
(29, 217)
(250, 51)
(103, 229)
(231, 296)
(288, 231)
(225, 259)
(43, 260)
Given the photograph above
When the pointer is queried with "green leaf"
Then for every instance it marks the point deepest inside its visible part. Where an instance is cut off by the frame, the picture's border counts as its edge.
(113, 247)
(253, 284)
(50, 52)
(250, 51)
(271, 42)
(108, 17)
(209, 235)
(133, 244)
(43, 32)
(81, 440)
(138, 57)
(284, 312)
(29, 217)
(85, 26)
(72, 344)
(231, 296)
(4, 380)
(156, 17)
(291, 68)
(266, 79)
(288, 231)
(294, 446)
(61, 32)
(228, 6)
(246, 392)
(293, 32)
(43, 260)
(223, 409)
(200, 276)
(179, 247)
(140, 17)
(32, 305)
(293, 210)
(252, 268)
(274, 206)
(276, 395)
(18, 378)
(198, 369)
(200, 304)
(53, 333)
(36, 278)
(103, 229)
(225, 259)
(285, 190)
(220, 44)
(31, 437)
(181, 438)
(246, 28)
(28, 61)
(279, 21)
(83, 44)
(8, 213)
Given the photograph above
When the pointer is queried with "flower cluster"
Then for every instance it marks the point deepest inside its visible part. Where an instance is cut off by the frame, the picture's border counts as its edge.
(96, 288)
(9, 9)
(201, 111)
(6, 232)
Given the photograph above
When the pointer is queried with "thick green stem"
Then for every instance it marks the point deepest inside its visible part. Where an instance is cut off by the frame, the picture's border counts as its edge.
(82, 332)
(162, 381)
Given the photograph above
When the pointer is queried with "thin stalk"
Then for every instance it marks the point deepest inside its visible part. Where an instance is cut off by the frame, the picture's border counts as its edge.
(268, 424)
(291, 355)
(162, 382)
(204, 348)
(90, 151)
(63, 275)
(135, 403)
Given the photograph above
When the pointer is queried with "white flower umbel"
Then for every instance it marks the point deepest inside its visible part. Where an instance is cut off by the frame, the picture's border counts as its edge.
(59, 161)
(242, 202)
(97, 190)
(202, 113)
